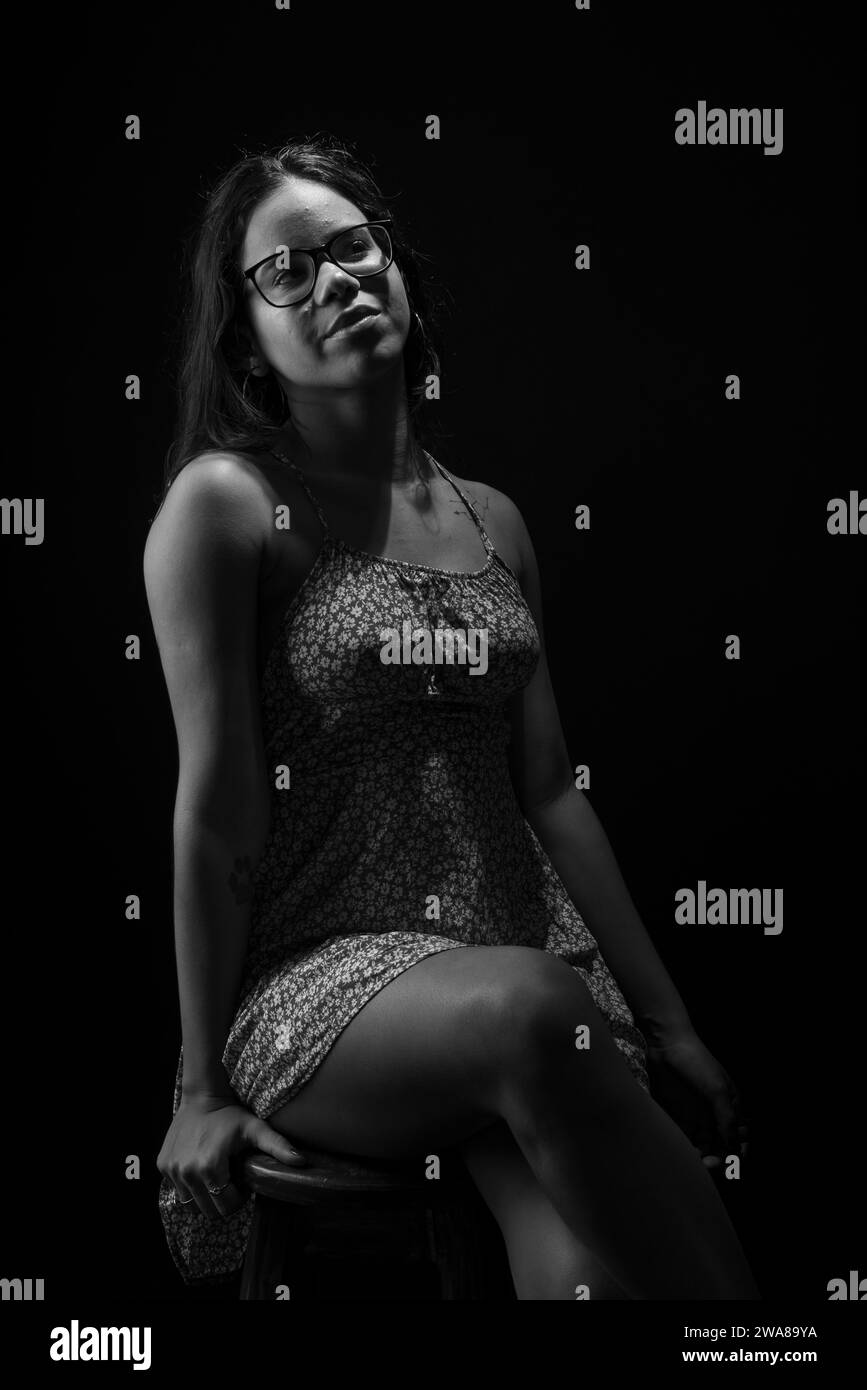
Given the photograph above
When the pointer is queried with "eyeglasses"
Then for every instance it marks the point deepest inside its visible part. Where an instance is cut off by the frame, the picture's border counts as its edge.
(288, 277)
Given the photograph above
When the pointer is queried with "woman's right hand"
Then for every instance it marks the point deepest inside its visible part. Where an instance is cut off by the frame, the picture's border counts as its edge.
(205, 1132)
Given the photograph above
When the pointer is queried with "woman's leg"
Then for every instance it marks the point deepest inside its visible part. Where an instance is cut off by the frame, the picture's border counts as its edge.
(468, 1037)
(546, 1258)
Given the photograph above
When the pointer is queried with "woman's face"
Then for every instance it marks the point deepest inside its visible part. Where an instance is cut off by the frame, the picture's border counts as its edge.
(295, 341)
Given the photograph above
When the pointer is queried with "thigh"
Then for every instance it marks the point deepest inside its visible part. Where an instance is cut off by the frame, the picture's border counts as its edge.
(419, 1064)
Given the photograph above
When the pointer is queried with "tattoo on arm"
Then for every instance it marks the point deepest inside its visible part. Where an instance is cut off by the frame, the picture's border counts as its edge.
(241, 880)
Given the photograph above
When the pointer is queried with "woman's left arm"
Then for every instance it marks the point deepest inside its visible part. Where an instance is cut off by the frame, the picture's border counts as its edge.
(573, 838)
(687, 1079)
(578, 847)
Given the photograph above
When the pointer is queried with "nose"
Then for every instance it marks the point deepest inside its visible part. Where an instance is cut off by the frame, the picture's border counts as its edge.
(332, 278)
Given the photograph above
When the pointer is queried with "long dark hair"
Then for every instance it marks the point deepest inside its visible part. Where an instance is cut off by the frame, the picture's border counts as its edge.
(215, 411)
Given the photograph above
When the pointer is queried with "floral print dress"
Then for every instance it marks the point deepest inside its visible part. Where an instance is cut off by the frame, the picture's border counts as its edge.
(399, 834)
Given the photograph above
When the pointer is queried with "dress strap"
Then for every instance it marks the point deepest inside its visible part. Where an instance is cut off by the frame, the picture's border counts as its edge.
(486, 541)
(278, 453)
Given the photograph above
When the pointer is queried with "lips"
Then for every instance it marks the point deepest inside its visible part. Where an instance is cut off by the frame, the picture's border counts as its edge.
(355, 315)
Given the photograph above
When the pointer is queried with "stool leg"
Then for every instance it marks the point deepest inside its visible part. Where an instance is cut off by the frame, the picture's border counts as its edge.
(265, 1257)
(454, 1249)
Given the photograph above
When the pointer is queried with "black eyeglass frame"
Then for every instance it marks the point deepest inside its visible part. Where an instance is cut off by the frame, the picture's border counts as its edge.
(318, 255)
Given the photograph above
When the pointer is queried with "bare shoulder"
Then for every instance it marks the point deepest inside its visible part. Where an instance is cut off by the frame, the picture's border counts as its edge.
(502, 520)
(219, 499)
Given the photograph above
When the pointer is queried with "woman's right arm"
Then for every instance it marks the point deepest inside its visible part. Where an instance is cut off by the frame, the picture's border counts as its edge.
(201, 570)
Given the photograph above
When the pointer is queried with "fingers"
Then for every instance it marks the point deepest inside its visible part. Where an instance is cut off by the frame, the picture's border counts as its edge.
(212, 1189)
(215, 1195)
(225, 1196)
(707, 1140)
(742, 1127)
(261, 1135)
(732, 1130)
(196, 1196)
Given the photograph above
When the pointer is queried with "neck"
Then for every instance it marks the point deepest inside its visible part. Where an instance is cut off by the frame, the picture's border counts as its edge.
(363, 431)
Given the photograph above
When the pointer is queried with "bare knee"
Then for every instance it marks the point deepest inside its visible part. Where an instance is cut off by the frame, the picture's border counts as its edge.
(533, 1003)
(542, 1023)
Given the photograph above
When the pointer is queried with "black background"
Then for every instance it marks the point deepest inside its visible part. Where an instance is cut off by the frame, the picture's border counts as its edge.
(559, 387)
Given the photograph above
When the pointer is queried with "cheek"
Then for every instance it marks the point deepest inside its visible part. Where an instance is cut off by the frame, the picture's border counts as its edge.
(398, 305)
(280, 337)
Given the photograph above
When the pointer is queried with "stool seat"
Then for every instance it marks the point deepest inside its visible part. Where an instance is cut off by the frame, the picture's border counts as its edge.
(377, 1221)
(330, 1177)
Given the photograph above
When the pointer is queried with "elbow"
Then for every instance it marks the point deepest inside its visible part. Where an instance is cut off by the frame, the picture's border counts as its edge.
(238, 814)
(538, 799)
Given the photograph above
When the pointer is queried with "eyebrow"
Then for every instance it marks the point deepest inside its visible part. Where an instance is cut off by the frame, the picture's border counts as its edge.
(330, 237)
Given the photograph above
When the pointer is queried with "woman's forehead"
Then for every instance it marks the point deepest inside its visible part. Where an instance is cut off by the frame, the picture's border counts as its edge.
(299, 214)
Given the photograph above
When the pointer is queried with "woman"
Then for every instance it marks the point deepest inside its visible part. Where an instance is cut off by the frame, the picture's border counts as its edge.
(382, 866)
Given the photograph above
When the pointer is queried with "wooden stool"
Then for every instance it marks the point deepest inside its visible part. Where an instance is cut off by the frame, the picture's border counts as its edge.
(375, 1224)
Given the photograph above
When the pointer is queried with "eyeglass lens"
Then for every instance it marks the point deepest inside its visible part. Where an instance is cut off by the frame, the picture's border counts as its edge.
(360, 251)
